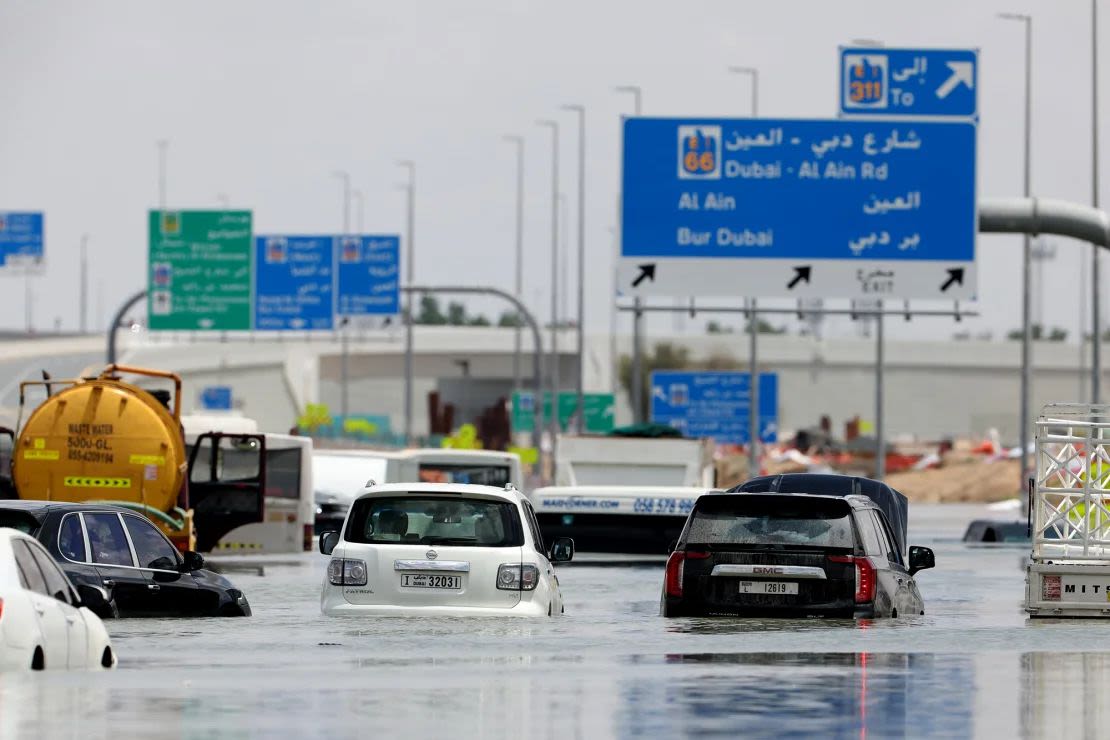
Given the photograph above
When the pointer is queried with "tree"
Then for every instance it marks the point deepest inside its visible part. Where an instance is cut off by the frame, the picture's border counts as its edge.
(764, 327)
(456, 314)
(510, 319)
(478, 320)
(430, 312)
(716, 327)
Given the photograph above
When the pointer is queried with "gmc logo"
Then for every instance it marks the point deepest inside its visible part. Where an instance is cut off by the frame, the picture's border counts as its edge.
(766, 569)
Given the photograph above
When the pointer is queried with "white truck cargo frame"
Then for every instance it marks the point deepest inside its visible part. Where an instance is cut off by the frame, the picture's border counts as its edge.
(1069, 570)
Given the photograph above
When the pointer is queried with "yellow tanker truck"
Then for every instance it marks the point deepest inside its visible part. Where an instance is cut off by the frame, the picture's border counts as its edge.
(105, 440)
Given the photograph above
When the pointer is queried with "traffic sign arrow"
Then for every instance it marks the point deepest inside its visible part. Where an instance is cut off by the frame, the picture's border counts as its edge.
(955, 275)
(961, 72)
(647, 272)
(801, 272)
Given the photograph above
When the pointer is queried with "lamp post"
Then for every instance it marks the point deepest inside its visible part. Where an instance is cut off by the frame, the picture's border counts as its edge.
(410, 238)
(753, 319)
(344, 408)
(518, 272)
(580, 401)
(1096, 320)
(635, 386)
(553, 423)
(1026, 259)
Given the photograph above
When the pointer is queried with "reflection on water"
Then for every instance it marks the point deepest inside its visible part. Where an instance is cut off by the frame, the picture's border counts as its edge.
(1065, 695)
(805, 695)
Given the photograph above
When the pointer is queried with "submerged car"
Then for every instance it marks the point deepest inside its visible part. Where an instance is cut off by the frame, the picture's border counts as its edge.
(125, 554)
(791, 555)
(441, 549)
(46, 623)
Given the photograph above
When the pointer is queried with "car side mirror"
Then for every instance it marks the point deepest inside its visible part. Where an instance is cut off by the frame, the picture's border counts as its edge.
(921, 558)
(328, 541)
(193, 561)
(562, 550)
(92, 597)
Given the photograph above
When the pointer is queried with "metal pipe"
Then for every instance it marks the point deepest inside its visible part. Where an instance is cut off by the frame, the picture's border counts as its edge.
(818, 312)
(537, 343)
(580, 401)
(410, 250)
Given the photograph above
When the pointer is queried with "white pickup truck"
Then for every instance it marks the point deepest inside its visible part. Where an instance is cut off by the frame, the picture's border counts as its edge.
(623, 494)
(1069, 570)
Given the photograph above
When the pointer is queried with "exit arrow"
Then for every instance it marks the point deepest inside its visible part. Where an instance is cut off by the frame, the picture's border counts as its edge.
(801, 273)
(961, 72)
(647, 272)
(955, 275)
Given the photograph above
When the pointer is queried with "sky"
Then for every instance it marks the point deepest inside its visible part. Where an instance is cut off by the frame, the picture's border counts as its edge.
(262, 102)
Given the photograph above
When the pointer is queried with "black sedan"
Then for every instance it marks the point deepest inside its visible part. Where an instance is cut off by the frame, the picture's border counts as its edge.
(790, 555)
(127, 556)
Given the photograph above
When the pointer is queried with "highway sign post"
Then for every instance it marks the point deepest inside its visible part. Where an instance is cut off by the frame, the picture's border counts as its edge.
(200, 270)
(798, 208)
(715, 404)
(369, 277)
(21, 241)
(294, 281)
(919, 83)
(598, 416)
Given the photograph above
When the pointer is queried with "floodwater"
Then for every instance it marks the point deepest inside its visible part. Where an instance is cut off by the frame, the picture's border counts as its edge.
(973, 665)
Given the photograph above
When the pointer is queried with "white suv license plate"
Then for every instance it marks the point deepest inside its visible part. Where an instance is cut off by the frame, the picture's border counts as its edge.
(429, 580)
(768, 587)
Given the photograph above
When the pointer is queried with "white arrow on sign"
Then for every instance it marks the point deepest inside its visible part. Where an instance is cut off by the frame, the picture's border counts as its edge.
(961, 72)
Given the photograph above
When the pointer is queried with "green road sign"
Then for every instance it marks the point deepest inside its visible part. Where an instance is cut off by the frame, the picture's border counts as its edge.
(200, 270)
(599, 412)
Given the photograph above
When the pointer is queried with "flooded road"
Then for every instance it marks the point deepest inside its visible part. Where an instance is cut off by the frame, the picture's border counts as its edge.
(973, 665)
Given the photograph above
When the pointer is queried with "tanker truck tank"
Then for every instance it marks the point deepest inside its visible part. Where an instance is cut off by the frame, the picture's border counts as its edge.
(106, 440)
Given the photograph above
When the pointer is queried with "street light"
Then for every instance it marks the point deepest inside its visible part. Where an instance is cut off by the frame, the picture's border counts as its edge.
(635, 386)
(554, 373)
(518, 276)
(753, 321)
(580, 401)
(410, 238)
(1096, 319)
(1026, 256)
(344, 353)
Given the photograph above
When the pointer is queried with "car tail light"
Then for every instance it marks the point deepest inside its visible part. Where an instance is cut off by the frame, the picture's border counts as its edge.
(865, 577)
(676, 569)
(517, 577)
(1, 608)
(345, 572)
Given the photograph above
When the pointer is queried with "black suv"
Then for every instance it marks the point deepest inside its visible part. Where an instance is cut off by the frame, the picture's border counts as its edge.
(791, 555)
(127, 556)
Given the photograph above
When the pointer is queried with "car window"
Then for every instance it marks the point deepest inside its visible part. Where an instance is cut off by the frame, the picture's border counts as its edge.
(29, 573)
(872, 545)
(71, 540)
(152, 549)
(889, 550)
(106, 539)
(752, 519)
(19, 520)
(435, 520)
(534, 527)
(56, 583)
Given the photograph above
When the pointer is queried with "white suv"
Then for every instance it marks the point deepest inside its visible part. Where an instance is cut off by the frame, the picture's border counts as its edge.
(441, 549)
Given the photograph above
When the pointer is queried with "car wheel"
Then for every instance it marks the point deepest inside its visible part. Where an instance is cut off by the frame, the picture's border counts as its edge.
(106, 659)
(38, 662)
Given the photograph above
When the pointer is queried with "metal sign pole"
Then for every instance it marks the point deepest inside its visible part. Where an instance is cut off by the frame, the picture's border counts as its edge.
(880, 442)
(753, 406)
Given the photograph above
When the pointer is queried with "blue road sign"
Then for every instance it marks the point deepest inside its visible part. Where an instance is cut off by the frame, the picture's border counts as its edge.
(216, 398)
(21, 239)
(294, 282)
(369, 275)
(909, 82)
(799, 208)
(714, 404)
